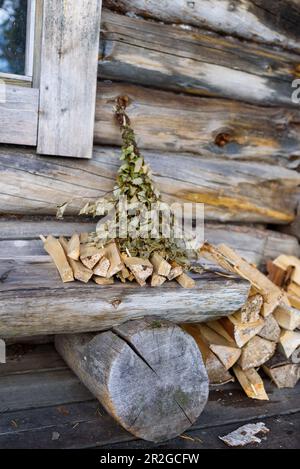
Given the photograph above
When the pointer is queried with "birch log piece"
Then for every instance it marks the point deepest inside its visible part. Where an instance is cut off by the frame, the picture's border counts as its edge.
(210, 127)
(263, 20)
(230, 190)
(34, 301)
(254, 244)
(149, 375)
(201, 63)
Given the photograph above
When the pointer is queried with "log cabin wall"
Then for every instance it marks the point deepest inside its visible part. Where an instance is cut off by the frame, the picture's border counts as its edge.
(210, 86)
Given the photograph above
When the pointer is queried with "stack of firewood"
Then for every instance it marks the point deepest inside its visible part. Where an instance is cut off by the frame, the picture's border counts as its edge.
(263, 334)
(78, 259)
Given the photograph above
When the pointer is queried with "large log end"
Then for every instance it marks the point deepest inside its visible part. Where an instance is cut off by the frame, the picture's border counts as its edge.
(148, 374)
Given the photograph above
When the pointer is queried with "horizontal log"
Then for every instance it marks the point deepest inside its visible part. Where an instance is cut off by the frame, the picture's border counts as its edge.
(230, 190)
(194, 61)
(259, 20)
(155, 396)
(19, 238)
(211, 127)
(34, 301)
(19, 114)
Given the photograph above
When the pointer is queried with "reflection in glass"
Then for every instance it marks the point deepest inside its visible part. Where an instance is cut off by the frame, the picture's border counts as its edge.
(13, 15)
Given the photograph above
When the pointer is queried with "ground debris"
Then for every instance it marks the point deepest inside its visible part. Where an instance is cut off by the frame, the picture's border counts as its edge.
(245, 435)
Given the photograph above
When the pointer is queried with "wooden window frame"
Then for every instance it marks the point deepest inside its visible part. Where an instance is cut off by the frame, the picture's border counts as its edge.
(49, 107)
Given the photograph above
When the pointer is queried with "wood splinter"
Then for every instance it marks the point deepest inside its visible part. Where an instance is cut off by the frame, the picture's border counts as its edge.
(90, 255)
(54, 249)
(81, 273)
(141, 269)
(251, 383)
(160, 265)
(73, 251)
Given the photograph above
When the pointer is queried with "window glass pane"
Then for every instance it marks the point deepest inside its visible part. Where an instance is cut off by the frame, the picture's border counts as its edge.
(13, 15)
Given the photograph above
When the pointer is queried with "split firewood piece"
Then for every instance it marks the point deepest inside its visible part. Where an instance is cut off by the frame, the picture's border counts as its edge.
(103, 281)
(141, 269)
(73, 249)
(232, 262)
(90, 255)
(54, 249)
(219, 329)
(185, 281)
(175, 271)
(102, 267)
(217, 373)
(256, 352)
(284, 262)
(289, 341)
(84, 237)
(81, 273)
(113, 255)
(285, 376)
(226, 353)
(160, 265)
(250, 312)
(241, 332)
(251, 383)
(282, 371)
(295, 357)
(157, 280)
(294, 301)
(271, 330)
(294, 289)
(287, 317)
(281, 277)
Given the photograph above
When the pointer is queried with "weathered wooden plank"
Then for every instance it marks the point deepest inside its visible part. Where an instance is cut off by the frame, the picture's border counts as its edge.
(19, 115)
(283, 434)
(68, 71)
(34, 301)
(19, 239)
(211, 127)
(259, 20)
(151, 379)
(36, 389)
(230, 190)
(27, 358)
(194, 61)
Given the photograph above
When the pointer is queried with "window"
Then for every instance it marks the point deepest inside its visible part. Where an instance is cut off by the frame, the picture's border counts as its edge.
(16, 37)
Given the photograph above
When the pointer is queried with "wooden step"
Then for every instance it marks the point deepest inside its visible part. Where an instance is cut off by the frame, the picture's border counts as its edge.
(34, 301)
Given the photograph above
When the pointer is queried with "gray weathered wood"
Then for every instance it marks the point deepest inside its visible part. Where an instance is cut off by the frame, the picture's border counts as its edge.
(68, 74)
(148, 375)
(268, 21)
(194, 61)
(19, 115)
(19, 238)
(34, 301)
(210, 127)
(231, 190)
(82, 423)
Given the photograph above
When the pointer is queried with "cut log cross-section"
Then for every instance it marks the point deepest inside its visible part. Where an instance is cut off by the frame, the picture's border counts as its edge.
(154, 391)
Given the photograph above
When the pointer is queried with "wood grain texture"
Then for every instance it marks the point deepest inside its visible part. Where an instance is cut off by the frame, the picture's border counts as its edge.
(34, 301)
(258, 20)
(68, 71)
(19, 114)
(211, 127)
(151, 379)
(230, 190)
(194, 61)
(19, 238)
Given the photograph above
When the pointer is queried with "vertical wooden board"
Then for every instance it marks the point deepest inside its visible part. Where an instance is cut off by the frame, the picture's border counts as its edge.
(18, 114)
(68, 76)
